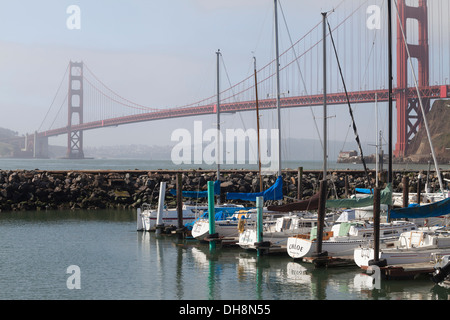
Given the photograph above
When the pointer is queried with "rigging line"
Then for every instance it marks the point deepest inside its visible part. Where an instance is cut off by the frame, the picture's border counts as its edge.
(350, 108)
(424, 119)
(56, 116)
(54, 98)
(198, 103)
(119, 102)
(231, 88)
(110, 90)
(301, 74)
(264, 67)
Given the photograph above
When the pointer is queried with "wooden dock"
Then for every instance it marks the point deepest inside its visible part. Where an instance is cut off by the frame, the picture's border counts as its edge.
(330, 262)
(274, 249)
(407, 270)
(223, 241)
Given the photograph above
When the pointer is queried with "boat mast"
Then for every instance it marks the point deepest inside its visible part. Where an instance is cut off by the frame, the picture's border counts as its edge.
(390, 173)
(324, 17)
(218, 120)
(377, 152)
(278, 87)
(257, 127)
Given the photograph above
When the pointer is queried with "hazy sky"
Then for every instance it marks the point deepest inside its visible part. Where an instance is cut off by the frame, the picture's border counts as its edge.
(155, 53)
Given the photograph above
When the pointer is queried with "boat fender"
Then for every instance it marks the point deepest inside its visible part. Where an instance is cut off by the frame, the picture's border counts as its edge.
(212, 236)
(440, 274)
(241, 225)
(262, 244)
(379, 263)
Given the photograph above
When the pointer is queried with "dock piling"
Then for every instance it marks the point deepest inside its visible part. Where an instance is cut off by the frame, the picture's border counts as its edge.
(211, 215)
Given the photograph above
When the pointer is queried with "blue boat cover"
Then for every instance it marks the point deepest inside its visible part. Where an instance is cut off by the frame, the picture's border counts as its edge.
(364, 190)
(198, 194)
(275, 192)
(435, 209)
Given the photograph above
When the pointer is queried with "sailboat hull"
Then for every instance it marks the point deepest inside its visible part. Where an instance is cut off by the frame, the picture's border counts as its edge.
(299, 248)
(147, 218)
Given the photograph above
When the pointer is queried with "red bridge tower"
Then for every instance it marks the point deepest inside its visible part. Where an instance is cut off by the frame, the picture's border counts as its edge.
(409, 115)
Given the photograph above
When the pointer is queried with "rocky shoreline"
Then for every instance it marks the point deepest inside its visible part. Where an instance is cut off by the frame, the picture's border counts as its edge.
(22, 190)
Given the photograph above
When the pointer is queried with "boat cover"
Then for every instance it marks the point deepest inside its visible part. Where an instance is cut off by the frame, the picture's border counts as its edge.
(275, 192)
(434, 209)
(385, 198)
(198, 194)
(308, 204)
(364, 190)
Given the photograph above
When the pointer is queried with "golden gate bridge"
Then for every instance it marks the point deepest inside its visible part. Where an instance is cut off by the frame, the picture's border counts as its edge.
(88, 103)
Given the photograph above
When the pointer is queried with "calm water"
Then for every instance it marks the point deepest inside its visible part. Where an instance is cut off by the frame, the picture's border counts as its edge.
(117, 262)
(142, 164)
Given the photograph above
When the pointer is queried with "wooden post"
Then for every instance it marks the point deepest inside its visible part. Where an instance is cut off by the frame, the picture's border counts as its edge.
(180, 205)
(376, 223)
(346, 186)
(419, 186)
(405, 183)
(300, 183)
(321, 215)
(259, 221)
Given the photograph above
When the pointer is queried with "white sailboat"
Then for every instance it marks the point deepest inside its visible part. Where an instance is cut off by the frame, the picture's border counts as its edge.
(276, 232)
(344, 238)
(147, 217)
(411, 247)
(231, 225)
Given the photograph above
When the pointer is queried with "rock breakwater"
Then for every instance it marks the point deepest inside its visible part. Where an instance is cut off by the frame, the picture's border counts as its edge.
(42, 190)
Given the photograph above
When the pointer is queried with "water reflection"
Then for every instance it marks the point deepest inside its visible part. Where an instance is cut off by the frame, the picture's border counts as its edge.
(188, 269)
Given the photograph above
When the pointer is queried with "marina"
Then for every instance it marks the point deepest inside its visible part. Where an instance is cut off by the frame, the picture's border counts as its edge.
(234, 216)
(117, 263)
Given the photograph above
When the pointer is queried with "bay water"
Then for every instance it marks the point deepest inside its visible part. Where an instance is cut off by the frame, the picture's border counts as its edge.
(99, 255)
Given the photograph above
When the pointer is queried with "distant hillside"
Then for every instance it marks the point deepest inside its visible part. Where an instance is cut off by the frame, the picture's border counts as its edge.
(6, 148)
(439, 124)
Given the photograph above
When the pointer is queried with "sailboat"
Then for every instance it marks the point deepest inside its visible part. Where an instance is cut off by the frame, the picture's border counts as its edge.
(191, 214)
(149, 218)
(231, 225)
(346, 236)
(276, 233)
(424, 245)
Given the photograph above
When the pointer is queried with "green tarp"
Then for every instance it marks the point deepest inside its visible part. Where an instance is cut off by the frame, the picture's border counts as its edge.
(385, 198)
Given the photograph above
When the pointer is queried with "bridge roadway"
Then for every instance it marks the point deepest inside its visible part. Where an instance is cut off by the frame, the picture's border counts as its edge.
(431, 92)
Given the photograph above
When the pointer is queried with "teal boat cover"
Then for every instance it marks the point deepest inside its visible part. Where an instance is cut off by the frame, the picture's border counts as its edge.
(435, 209)
(275, 192)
